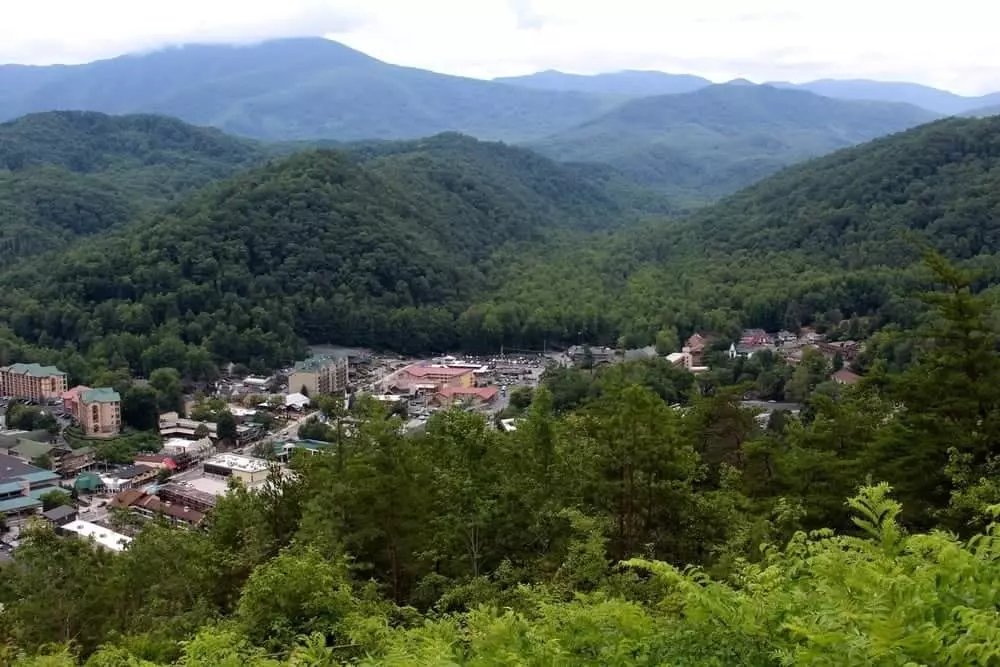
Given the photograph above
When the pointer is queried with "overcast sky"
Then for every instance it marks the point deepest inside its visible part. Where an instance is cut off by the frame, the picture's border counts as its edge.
(947, 44)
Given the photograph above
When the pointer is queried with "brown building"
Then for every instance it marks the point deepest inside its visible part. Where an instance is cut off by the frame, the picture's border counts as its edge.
(319, 375)
(39, 383)
(97, 411)
(149, 507)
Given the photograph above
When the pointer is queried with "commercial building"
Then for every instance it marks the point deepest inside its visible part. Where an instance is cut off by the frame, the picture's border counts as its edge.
(129, 478)
(104, 538)
(319, 375)
(433, 377)
(64, 460)
(34, 381)
(149, 506)
(196, 449)
(175, 427)
(97, 411)
(449, 396)
(246, 468)
(22, 485)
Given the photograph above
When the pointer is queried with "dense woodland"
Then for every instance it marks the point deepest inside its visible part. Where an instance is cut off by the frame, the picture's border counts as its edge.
(69, 174)
(449, 242)
(611, 528)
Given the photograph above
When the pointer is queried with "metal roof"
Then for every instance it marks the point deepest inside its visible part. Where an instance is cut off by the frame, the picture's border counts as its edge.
(100, 395)
(19, 503)
(34, 370)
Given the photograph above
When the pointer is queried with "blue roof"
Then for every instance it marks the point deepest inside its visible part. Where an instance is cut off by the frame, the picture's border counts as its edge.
(10, 487)
(38, 493)
(40, 476)
(18, 504)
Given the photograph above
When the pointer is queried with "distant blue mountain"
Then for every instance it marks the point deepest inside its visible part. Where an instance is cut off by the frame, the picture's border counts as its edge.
(635, 83)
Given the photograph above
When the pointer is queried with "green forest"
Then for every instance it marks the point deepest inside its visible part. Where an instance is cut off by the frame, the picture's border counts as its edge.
(637, 522)
(450, 242)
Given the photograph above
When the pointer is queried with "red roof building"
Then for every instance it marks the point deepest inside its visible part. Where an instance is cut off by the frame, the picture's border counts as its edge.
(844, 376)
(451, 395)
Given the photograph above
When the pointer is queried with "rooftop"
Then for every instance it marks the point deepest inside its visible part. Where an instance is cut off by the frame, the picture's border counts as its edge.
(58, 513)
(100, 395)
(482, 393)
(13, 470)
(74, 393)
(34, 370)
(132, 471)
(313, 364)
(419, 370)
(19, 504)
(237, 462)
(105, 537)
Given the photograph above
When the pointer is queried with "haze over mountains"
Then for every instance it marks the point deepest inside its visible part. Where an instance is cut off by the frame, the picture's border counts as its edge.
(643, 83)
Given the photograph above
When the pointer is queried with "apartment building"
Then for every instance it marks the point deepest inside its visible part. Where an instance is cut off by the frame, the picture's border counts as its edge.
(319, 375)
(34, 381)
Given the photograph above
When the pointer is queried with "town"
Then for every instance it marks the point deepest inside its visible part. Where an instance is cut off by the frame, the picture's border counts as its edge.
(54, 472)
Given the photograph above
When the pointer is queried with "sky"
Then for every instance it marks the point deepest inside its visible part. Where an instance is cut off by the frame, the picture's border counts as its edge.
(950, 45)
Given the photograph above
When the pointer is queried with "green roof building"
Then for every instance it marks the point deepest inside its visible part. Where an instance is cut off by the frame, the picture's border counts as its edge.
(34, 381)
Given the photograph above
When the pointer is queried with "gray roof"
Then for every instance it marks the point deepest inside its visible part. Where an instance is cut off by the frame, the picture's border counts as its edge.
(61, 512)
(13, 469)
(132, 471)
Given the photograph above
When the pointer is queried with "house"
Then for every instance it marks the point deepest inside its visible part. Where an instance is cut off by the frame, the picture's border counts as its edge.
(755, 338)
(449, 396)
(32, 381)
(22, 485)
(97, 411)
(845, 377)
(149, 506)
(129, 478)
(60, 516)
(326, 374)
(103, 538)
(159, 461)
(847, 349)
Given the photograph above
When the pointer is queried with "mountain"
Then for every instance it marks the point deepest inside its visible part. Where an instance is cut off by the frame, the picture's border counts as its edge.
(814, 244)
(295, 89)
(66, 174)
(715, 140)
(983, 112)
(932, 99)
(380, 249)
(633, 83)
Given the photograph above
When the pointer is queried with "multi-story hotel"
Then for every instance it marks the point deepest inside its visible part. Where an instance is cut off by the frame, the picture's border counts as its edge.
(319, 375)
(97, 411)
(34, 381)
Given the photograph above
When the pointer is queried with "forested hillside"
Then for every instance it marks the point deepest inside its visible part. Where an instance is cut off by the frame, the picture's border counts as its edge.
(642, 525)
(713, 141)
(314, 247)
(66, 174)
(633, 83)
(309, 88)
(815, 243)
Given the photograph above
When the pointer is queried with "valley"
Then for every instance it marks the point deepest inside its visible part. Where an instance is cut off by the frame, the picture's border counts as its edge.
(307, 358)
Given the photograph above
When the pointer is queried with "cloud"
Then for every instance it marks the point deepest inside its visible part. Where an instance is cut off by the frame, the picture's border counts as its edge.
(951, 46)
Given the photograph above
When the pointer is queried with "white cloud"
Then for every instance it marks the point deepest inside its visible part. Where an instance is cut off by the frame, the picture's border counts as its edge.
(950, 45)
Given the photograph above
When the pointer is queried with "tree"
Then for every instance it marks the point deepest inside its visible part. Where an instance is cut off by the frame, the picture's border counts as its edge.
(520, 398)
(225, 424)
(54, 499)
(43, 461)
(140, 408)
(169, 393)
(667, 341)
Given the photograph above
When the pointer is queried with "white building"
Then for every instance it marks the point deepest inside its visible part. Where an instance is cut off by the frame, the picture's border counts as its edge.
(249, 469)
(196, 448)
(103, 537)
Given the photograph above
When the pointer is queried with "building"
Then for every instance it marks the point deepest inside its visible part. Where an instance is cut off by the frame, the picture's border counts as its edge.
(129, 478)
(755, 338)
(327, 374)
(194, 449)
(696, 346)
(600, 355)
(34, 381)
(847, 349)
(160, 461)
(22, 485)
(449, 396)
(174, 428)
(64, 460)
(845, 377)
(187, 496)
(246, 468)
(433, 377)
(284, 449)
(60, 516)
(97, 411)
(104, 538)
(148, 506)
